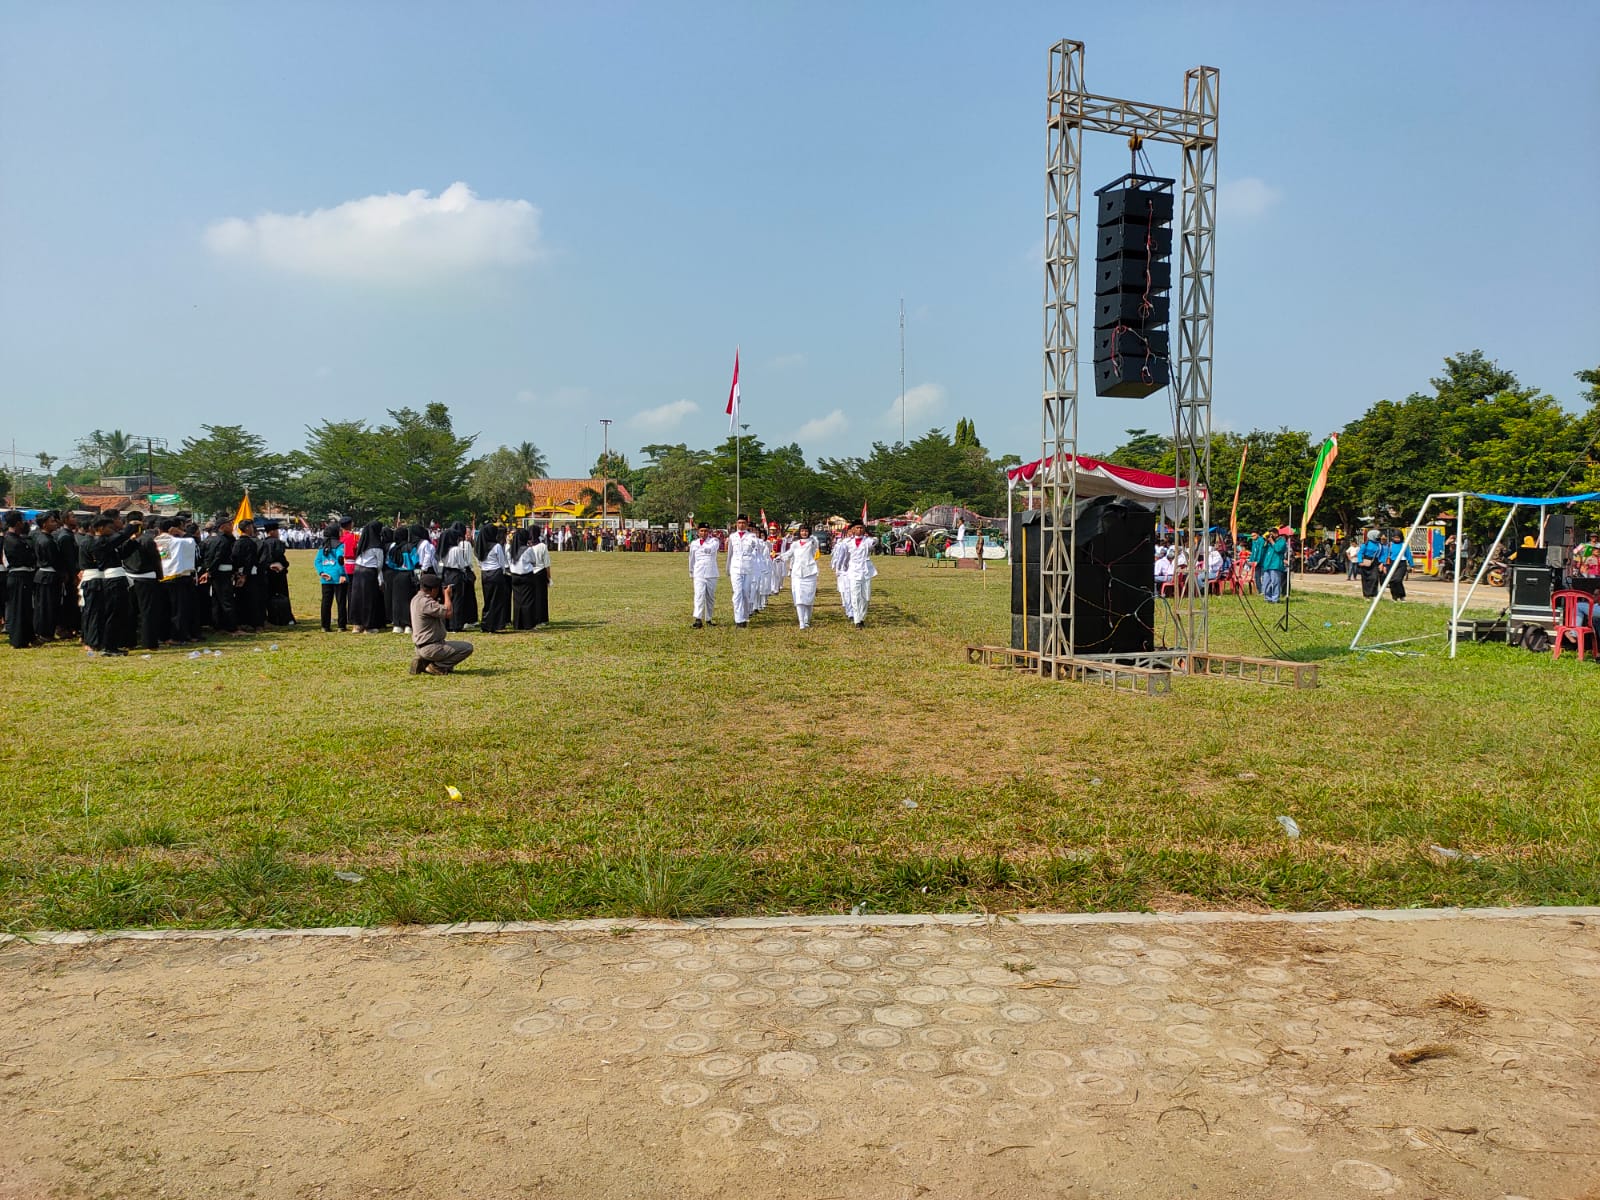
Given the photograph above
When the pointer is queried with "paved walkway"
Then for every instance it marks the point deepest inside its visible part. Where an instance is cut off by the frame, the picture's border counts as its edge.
(1150, 1059)
(1418, 588)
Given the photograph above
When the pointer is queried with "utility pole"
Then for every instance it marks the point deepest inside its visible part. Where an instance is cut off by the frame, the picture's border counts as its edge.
(605, 470)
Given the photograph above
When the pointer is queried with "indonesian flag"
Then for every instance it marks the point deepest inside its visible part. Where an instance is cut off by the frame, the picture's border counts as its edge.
(764, 525)
(1319, 480)
(733, 395)
(863, 512)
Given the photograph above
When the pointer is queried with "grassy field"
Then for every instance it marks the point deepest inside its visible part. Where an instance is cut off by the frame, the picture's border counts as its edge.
(619, 762)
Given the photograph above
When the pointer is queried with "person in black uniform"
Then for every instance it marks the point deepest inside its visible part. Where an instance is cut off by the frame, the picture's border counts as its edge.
(141, 559)
(102, 593)
(66, 556)
(20, 564)
(216, 569)
(275, 577)
(46, 585)
(248, 585)
(83, 544)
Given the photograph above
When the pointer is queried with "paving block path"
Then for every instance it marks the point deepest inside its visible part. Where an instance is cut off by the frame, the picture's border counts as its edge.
(1004, 1059)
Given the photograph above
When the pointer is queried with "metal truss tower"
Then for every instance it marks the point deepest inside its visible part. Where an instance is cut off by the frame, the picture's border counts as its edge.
(1193, 128)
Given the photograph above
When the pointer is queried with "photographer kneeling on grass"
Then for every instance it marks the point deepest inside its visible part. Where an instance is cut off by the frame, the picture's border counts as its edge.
(430, 609)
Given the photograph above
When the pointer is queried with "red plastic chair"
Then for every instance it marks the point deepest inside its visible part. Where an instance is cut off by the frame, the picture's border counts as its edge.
(1564, 607)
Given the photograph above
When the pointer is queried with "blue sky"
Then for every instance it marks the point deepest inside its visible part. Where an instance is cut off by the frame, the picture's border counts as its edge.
(647, 186)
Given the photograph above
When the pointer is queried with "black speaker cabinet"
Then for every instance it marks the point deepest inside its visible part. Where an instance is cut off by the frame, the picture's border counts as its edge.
(1531, 586)
(1114, 590)
(1130, 378)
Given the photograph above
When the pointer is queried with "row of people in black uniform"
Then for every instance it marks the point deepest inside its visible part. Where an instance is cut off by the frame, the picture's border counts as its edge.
(120, 581)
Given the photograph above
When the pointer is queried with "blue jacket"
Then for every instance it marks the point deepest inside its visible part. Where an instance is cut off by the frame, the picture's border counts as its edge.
(1272, 557)
(330, 565)
(1398, 550)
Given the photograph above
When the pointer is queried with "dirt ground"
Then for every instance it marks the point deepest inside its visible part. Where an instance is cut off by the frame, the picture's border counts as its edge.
(1004, 1059)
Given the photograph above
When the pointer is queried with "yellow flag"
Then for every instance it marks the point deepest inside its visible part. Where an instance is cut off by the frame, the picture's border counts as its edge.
(244, 513)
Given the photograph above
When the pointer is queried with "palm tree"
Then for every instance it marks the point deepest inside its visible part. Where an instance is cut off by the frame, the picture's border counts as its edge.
(533, 460)
(107, 452)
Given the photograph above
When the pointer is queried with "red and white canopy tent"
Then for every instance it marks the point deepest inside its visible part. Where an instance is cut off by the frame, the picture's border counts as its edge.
(1095, 477)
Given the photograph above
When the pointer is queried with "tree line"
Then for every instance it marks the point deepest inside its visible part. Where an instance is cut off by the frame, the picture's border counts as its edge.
(1477, 429)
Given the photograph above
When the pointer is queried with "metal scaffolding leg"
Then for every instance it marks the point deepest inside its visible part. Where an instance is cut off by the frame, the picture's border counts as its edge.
(1193, 393)
(1064, 183)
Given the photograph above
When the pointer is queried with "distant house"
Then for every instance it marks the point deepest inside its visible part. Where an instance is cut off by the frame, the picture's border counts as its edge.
(101, 498)
(555, 499)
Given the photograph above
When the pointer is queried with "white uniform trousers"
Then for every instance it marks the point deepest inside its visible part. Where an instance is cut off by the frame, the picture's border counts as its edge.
(805, 596)
(705, 595)
(858, 593)
(744, 588)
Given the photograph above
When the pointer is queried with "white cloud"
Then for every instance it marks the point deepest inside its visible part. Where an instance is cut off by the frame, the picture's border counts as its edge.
(1247, 198)
(394, 238)
(821, 429)
(663, 417)
(923, 403)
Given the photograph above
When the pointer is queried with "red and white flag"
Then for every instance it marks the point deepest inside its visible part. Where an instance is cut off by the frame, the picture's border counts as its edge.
(863, 512)
(733, 395)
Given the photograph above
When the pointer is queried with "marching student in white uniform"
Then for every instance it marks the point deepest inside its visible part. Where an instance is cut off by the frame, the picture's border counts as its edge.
(746, 551)
(856, 563)
(836, 561)
(703, 574)
(779, 566)
(801, 560)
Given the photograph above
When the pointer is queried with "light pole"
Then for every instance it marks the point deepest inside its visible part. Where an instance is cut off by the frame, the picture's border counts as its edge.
(605, 470)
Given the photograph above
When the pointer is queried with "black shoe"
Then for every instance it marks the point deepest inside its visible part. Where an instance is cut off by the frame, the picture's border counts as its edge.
(416, 666)
(699, 624)
(861, 624)
(741, 624)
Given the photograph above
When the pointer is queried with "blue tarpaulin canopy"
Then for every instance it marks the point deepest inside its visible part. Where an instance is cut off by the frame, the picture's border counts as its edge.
(1543, 502)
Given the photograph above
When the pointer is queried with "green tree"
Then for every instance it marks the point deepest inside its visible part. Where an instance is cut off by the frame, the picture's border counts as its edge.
(671, 484)
(424, 464)
(5, 483)
(339, 471)
(789, 489)
(719, 492)
(213, 472)
(1143, 450)
(499, 482)
(36, 492)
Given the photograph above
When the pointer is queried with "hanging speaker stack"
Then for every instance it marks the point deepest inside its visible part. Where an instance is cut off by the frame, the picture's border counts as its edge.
(1132, 287)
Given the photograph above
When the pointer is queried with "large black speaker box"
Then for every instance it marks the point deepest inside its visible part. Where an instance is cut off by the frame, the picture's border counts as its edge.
(1558, 530)
(1115, 584)
(1130, 377)
(1132, 277)
(1531, 586)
